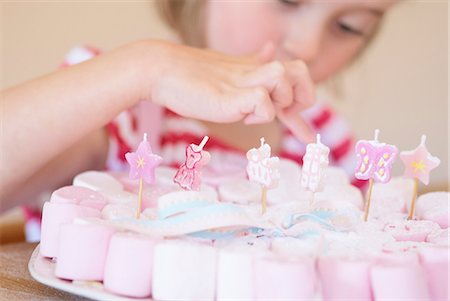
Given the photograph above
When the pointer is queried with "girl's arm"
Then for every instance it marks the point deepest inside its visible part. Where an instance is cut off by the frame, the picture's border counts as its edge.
(59, 118)
(52, 125)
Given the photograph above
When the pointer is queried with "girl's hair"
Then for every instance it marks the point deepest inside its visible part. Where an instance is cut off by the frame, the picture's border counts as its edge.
(186, 18)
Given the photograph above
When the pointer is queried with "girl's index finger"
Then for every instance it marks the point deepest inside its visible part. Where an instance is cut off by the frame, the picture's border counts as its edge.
(295, 123)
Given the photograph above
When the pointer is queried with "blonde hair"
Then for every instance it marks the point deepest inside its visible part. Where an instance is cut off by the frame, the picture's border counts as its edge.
(186, 18)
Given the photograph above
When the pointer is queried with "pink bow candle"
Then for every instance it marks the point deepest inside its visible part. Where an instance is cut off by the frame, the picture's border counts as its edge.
(418, 165)
(263, 169)
(375, 160)
(142, 166)
(188, 175)
(315, 162)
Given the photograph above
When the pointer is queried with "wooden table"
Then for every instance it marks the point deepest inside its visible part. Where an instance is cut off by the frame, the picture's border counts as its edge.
(16, 282)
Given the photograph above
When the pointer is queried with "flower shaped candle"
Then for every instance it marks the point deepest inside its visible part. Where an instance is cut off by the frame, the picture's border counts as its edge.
(418, 165)
(263, 169)
(142, 166)
(315, 163)
(188, 175)
(375, 161)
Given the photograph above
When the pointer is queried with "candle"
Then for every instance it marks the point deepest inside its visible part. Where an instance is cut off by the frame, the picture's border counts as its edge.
(263, 169)
(188, 175)
(142, 166)
(315, 162)
(375, 160)
(418, 165)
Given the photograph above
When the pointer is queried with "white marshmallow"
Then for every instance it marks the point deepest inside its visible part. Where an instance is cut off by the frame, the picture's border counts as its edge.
(183, 270)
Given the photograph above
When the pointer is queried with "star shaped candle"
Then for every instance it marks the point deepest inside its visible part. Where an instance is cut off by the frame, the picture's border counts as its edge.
(142, 166)
(418, 165)
(419, 162)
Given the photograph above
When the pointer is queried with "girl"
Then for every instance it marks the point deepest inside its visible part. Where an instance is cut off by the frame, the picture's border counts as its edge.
(263, 60)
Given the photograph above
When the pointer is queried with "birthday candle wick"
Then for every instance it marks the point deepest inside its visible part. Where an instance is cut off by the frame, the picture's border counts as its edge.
(203, 143)
(423, 139)
(377, 133)
(262, 141)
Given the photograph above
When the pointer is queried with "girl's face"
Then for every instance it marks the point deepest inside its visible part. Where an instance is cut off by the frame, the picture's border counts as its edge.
(326, 35)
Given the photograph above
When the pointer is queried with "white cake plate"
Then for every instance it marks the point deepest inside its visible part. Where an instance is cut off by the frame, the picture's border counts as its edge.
(43, 270)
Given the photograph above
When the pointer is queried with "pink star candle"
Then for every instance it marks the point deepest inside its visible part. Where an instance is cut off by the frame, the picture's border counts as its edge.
(375, 160)
(315, 162)
(188, 175)
(418, 165)
(263, 169)
(142, 166)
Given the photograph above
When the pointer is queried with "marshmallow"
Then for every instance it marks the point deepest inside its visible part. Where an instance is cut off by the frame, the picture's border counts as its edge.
(183, 270)
(434, 206)
(119, 211)
(294, 247)
(288, 188)
(341, 193)
(129, 264)
(435, 262)
(344, 279)
(336, 176)
(281, 279)
(150, 194)
(439, 237)
(97, 180)
(399, 281)
(164, 175)
(404, 246)
(119, 196)
(82, 251)
(392, 196)
(235, 274)
(240, 191)
(53, 216)
(411, 230)
(182, 201)
(79, 195)
(224, 166)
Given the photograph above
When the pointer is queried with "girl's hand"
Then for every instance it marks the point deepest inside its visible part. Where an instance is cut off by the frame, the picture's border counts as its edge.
(211, 86)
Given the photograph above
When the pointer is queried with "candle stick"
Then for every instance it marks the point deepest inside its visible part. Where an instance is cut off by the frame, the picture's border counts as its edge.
(263, 169)
(418, 165)
(142, 166)
(188, 175)
(375, 162)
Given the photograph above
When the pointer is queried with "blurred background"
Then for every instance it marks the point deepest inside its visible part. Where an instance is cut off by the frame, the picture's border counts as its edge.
(400, 85)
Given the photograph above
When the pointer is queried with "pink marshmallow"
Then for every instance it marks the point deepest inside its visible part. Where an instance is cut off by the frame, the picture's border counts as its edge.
(279, 278)
(82, 251)
(399, 281)
(344, 279)
(435, 262)
(78, 195)
(129, 264)
(53, 216)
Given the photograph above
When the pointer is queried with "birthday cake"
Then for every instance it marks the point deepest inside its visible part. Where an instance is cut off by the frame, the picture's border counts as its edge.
(274, 232)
